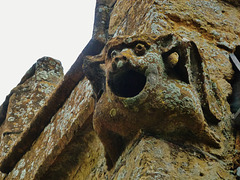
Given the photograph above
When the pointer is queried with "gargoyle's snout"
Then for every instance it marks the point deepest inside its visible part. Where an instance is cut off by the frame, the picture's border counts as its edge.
(124, 80)
(119, 60)
(120, 57)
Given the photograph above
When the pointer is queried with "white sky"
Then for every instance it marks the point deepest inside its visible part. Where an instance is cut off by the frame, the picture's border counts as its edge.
(31, 29)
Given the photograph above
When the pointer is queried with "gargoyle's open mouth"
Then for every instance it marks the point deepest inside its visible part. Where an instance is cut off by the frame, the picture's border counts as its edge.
(128, 83)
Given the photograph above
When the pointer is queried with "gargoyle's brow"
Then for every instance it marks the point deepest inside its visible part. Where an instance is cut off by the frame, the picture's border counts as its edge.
(134, 43)
(115, 47)
(127, 45)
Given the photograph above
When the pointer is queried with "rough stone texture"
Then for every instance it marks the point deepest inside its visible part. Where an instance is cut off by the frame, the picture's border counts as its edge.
(25, 101)
(149, 157)
(2, 175)
(69, 148)
(214, 27)
(102, 15)
(144, 91)
(80, 158)
(56, 135)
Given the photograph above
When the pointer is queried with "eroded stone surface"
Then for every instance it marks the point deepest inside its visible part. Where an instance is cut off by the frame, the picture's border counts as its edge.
(2, 175)
(26, 100)
(214, 27)
(151, 83)
(56, 135)
(102, 17)
(209, 24)
(80, 158)
(152, 158)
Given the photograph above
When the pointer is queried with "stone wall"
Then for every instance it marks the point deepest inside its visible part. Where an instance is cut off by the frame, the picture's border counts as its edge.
(78, 126)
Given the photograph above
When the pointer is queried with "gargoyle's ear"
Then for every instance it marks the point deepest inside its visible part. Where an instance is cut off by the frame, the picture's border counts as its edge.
(199, 78)
(93, 68)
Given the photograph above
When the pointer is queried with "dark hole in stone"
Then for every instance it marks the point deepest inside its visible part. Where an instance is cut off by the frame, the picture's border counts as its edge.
(237, 52)
(179, 71)
(127, 83)
(234, 99)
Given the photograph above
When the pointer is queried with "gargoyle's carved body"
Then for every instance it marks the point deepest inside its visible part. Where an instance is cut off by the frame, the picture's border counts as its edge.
(150, 84)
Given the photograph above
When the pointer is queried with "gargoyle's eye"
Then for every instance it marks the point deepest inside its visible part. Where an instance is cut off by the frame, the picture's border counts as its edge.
(139, 49)
(113, 53)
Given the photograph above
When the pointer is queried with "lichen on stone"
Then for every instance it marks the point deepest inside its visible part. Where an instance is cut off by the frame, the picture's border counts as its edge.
(146, 93)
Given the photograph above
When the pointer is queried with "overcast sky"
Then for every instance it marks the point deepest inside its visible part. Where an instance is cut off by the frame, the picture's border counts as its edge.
(31, 29)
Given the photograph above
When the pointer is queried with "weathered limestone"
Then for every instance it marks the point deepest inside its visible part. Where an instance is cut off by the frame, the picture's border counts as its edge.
(149, 157)
(25, 102)
(171, 122)
(2, 175)
(53, 140)
(214, 27)
(145, 90)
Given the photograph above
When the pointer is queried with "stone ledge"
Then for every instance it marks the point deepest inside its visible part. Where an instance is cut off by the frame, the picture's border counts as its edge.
(56, 135)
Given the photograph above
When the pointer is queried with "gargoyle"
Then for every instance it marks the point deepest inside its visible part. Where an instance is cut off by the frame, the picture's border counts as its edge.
(148, 83)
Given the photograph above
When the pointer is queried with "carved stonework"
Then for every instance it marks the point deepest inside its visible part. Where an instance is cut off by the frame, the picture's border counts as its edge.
(149, 83)
(165, 80)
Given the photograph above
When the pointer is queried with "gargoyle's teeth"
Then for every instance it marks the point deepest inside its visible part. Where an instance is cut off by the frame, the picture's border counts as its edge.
(120, 64)
(127, 83)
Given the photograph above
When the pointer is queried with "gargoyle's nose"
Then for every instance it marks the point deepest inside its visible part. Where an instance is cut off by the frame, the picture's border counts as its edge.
(118, 60)
(117, 55)
(120, 57)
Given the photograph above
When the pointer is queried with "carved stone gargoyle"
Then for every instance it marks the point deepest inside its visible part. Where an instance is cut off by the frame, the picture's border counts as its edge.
(148, 83)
